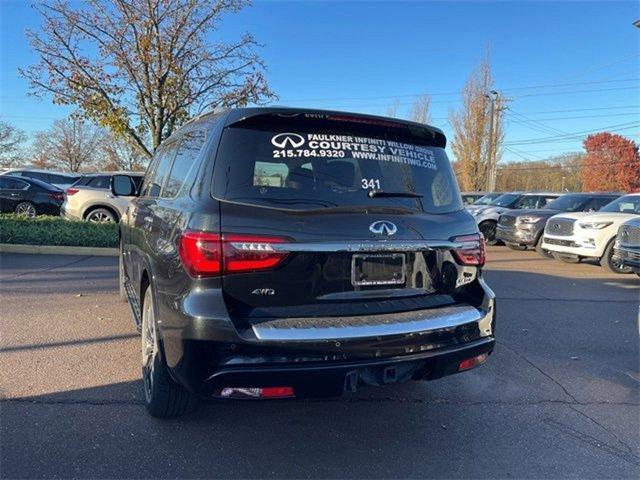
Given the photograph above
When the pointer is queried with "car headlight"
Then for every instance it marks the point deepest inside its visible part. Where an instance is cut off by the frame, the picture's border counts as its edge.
(529, 219)
(594, 225)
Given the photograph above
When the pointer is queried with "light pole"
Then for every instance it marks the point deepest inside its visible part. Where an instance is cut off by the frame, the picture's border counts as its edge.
(491, 174)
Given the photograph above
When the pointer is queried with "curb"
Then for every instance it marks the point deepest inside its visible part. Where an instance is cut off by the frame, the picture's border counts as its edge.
(58, 250)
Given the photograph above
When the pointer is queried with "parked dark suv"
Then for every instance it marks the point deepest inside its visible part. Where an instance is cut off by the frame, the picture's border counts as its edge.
(524, 228)
(278, 252)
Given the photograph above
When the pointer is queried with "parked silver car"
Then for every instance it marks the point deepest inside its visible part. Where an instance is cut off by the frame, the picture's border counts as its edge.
(90, 198)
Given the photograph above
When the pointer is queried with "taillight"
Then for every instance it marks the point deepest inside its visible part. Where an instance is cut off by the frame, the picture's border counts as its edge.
(71, 191)
(56, 196)
(472, 251)
(201, 253)
(206, 254)
(247, 253)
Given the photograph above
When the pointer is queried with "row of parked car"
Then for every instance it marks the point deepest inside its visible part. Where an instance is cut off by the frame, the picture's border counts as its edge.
(79, 197)
(569, 227)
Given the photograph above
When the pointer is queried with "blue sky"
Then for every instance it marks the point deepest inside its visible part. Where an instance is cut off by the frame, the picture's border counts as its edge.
(569, 67)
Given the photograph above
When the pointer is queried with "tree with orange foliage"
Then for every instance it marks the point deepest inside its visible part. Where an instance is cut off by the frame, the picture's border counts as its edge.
(611, 163)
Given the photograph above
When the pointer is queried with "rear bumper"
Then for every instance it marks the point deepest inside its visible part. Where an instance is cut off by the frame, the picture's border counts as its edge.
(205, 354)
(333, 378)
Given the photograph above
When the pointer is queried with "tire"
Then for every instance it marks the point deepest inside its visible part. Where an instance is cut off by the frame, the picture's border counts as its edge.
(123, 292)
(26, 209)
(566, 258)
(488, 230)
(608, 263)
(101, 215)
(514, 246)
(541, 251)
(163, 397)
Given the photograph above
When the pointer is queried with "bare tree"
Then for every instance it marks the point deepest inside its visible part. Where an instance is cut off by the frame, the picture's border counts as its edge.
(141, 68)
(11, 145)
(117, 154)
(471, 125)
(71, 144)
(420, 110)
(392, 109)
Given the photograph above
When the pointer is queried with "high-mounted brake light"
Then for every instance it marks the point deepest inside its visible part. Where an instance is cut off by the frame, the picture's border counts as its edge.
(367, 121)
(472, 251)
(205, 254)
(71, 191)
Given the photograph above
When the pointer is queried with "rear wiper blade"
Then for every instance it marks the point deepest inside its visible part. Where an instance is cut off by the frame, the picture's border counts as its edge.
(383, 194)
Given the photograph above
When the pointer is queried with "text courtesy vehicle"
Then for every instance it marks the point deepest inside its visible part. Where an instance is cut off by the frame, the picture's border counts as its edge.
(572, 237)
(487, 216)
(276, 252)
(521, 229)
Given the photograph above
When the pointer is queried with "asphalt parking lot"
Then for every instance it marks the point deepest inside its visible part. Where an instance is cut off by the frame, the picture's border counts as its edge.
(559, 398)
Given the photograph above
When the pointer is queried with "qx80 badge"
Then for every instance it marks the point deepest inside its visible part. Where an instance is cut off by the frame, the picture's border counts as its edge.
(288, 140)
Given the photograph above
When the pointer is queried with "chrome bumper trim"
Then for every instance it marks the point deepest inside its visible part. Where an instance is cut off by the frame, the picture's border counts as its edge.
(403, 323)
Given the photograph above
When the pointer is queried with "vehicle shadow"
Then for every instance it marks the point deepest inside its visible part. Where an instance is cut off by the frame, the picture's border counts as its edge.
(105, 432)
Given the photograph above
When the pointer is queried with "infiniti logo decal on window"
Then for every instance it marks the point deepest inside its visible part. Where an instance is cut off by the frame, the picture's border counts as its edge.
(284, 140)
(383, 228)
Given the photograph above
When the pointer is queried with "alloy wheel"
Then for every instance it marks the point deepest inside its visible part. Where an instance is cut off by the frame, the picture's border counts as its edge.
(26, 210)
(488, 230)
(100, 217)
(617, 265)
(149, 347)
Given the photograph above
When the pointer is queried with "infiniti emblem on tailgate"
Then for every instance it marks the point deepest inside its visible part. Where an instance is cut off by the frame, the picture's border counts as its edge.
(383, 228)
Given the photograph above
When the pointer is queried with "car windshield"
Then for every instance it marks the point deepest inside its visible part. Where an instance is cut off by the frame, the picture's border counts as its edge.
(299, 166)
(568, 203)
(487, 199)
(626, 204)
(506, 200)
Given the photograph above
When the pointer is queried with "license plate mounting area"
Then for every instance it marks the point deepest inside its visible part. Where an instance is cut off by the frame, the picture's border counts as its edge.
(378, 269)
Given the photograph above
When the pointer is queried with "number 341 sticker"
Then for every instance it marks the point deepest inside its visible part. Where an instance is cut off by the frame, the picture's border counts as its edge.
(371, 183)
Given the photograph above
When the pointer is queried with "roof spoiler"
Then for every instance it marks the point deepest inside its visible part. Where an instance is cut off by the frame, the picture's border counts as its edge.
(433, 134)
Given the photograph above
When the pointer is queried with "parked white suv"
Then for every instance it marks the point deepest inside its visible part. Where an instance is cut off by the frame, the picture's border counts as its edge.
(574, 236)
(90, 198)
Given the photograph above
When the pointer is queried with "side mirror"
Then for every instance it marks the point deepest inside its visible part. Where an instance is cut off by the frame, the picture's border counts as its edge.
(123, 186)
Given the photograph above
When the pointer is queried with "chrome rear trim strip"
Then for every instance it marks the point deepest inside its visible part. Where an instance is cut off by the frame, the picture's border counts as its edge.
(368, 246)
(408, 322)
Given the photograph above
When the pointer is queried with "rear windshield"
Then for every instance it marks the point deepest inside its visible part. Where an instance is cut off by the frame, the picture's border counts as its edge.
(312, 167)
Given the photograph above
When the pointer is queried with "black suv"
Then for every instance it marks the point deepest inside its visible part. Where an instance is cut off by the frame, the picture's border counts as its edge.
(276, 252)
(524, 228)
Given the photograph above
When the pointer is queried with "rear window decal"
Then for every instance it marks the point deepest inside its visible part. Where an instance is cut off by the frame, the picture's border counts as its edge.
(295, 145)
